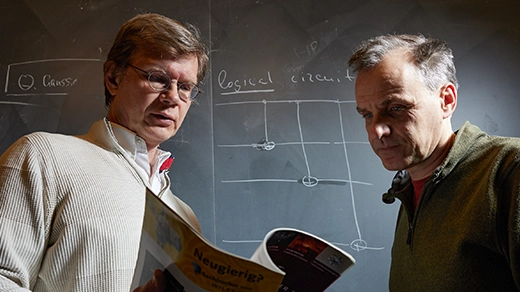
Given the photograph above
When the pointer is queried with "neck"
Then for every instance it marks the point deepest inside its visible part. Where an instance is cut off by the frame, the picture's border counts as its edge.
(152, 156)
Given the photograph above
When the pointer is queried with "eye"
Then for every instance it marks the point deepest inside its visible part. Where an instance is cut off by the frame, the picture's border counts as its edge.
(366, 115)
(159, 78)
(186, 86)
(397, 108)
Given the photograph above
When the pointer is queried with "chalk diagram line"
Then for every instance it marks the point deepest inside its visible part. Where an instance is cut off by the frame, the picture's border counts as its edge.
(308, 180)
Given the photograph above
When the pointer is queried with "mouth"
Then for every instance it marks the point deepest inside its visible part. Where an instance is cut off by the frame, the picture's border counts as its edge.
(163, 118)
(387, 151)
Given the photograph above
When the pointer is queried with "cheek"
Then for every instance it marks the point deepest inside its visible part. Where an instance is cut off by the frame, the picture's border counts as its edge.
(145, 103)
(182, 111)
(370, 131)
(134, 111)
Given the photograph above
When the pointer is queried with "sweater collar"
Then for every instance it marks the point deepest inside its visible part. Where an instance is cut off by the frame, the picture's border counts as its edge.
(116, 138)
(465, 138)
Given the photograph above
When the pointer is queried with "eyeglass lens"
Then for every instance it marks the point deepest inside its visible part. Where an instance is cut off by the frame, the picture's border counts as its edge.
(160, 81)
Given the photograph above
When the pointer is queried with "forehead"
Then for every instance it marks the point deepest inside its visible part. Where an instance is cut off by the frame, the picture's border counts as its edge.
(185, 65)
(140, 54)
(394, 74)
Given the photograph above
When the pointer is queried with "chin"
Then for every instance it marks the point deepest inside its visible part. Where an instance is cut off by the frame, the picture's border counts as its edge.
(164, 138)
(392, 165)
(392, 168)
(159, 137)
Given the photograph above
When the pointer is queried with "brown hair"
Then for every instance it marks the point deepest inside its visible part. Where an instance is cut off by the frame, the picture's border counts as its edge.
(158, 35)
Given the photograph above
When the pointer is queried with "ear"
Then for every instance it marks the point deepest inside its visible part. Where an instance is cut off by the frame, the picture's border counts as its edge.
(448, 95)
(111, 78)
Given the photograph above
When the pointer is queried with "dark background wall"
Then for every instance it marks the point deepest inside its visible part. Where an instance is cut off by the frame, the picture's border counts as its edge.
(275, 139)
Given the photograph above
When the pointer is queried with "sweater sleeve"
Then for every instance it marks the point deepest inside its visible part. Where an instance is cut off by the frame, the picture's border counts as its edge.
(514, 228)
(508, 213)
(23, 216)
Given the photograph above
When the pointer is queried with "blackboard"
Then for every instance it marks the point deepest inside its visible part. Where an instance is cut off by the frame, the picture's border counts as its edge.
(275, 139)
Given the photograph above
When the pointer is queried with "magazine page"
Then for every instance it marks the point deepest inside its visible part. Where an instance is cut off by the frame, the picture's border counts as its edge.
(310, 263)
(189, 261)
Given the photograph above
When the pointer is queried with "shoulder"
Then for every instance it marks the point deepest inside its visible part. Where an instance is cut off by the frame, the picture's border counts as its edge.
(473, 140)
(499, 147)
(48, 148)
(35, 142)
(498, 154)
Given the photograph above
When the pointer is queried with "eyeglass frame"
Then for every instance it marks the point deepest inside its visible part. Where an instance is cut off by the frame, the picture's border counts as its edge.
(179, 84)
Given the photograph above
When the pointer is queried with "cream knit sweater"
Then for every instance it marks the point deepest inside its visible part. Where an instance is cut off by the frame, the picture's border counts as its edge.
(71, 210)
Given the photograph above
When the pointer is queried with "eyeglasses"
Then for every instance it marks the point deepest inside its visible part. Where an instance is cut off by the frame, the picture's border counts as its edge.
(160, 81)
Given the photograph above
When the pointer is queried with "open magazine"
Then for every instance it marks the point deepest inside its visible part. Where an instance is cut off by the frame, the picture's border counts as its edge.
(287, 259)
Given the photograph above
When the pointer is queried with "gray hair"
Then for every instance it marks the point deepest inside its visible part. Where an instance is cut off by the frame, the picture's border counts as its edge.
(432, 57)
(157, 35)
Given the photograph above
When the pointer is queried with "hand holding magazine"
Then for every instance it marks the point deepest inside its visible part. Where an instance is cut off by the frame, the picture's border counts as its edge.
(287, 259)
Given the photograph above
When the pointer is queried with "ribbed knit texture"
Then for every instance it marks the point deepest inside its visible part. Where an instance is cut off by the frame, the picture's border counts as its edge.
(70, 214)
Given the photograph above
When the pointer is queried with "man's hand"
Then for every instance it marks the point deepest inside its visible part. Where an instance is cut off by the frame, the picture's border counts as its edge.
(156, 284)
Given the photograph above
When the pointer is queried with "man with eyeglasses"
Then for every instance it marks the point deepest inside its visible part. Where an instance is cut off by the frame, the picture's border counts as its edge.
(71, 208)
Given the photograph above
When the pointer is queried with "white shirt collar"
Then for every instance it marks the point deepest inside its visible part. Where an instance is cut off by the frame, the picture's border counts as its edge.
(135, 146)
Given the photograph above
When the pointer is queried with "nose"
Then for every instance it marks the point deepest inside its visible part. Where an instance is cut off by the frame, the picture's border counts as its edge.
(378, 128)
(170, 95)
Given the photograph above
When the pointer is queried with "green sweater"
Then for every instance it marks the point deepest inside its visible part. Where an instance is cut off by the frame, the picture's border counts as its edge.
(465, 232)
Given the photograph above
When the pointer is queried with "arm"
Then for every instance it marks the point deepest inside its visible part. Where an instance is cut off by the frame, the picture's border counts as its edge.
(514, 229)
(508, 216)
(23, 216)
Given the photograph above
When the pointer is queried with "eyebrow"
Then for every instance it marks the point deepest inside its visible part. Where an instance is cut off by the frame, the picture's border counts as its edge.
(158, 68)
(383, 104)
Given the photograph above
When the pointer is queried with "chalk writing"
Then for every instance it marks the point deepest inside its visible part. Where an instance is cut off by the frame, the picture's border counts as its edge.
(309, 50)
(50, 77)
(25, 82)
(48, 81)
(265, 83)
(319, 77)
(244, 85)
